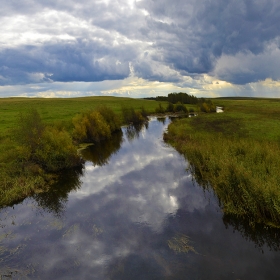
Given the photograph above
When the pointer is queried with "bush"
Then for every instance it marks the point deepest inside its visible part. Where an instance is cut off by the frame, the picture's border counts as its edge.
(42, 147)
(179, 107)
(90, 127)
(144, 112)
(207, 106)
(29, 130)
(56, 150)
(110, 118)
(170, 108)
(131, 116)
(160, 109)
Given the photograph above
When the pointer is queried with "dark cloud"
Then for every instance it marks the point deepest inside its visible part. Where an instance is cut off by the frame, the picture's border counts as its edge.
(77, 61)
(205, 30)
(182, 38)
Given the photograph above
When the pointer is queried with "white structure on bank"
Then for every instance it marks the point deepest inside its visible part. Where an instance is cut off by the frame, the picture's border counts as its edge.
(219, 109)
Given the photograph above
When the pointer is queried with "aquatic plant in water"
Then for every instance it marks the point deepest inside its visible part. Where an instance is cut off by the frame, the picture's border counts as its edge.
(181, 244)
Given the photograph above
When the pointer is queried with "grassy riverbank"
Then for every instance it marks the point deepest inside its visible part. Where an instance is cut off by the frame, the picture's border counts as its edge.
(39, 137)
(237, 153)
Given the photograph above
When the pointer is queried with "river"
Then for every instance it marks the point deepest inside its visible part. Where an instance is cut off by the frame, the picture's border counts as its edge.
(133, 212)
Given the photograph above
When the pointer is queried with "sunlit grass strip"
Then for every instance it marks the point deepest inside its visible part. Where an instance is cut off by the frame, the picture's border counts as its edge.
(244, 172)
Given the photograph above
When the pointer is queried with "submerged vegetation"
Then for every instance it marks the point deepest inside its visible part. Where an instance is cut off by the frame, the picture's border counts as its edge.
(238, 154)
(181, 244)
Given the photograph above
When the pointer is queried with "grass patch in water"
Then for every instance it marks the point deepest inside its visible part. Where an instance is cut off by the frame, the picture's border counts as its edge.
(181, 244)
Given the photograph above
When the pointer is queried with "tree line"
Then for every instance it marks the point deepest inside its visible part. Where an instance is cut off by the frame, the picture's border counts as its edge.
(204, 105)
(174, 98)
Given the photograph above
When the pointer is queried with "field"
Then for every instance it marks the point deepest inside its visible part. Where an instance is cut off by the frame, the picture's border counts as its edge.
(63, 109)
(248, 117)
(237, 153)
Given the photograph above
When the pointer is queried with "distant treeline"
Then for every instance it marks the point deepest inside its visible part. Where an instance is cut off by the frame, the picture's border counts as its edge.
(174, 98)
(205, 105)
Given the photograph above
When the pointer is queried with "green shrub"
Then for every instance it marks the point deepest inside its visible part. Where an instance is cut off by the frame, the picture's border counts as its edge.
(160, 109)
(132, 116)
(29, 130)
(56, 150)
(111, 118)
(40, 146)
(144, 112)
(90, 127)
(179, 107)
(169, 108)
(207, 106)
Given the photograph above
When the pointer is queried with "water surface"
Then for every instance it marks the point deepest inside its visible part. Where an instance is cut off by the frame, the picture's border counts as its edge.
(134, 212)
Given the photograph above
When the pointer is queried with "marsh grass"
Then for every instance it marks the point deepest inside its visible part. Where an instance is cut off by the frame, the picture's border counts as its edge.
(241, 164)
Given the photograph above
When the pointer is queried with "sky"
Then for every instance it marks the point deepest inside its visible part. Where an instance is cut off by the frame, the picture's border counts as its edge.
(139, 48)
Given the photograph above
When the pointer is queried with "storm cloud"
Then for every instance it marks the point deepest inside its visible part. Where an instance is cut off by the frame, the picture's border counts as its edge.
(177, 42)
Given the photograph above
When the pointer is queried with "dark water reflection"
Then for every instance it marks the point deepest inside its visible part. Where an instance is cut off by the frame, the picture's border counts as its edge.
(100, 153)
(133, 131)
(117, 218)
(55, 200)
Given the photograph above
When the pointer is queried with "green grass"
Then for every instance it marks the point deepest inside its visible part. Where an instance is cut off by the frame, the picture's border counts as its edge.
(259, 118)
(63, 109)
(237, 153)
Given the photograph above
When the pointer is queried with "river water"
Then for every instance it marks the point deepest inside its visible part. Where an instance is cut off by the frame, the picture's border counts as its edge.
(133, 212)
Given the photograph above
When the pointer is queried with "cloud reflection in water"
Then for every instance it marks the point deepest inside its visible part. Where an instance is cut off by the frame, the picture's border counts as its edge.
(117, 223)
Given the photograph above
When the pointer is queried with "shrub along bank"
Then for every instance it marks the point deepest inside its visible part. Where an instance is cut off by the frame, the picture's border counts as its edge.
(239, 163)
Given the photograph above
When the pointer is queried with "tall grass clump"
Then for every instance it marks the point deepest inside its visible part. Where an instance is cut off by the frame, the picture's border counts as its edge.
(94, 126)
(50, 148)
(130, 116)
(160, 109)
(180, 108)
(244, 172)
(110, 117)
(176, 108)
(90, 127)
(170, 108)
(206, 105)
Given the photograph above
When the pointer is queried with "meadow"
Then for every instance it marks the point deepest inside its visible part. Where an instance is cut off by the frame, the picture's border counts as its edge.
(63, 109)
(237, 153)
